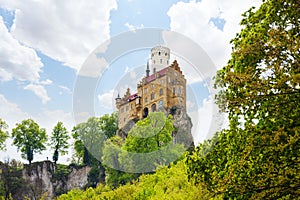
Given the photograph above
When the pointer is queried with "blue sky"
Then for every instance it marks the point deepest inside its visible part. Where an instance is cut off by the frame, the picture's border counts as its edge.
(44, 44)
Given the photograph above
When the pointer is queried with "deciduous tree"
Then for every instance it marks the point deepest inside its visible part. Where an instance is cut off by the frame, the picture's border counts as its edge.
(29, 138)
(3, 134)
(59, 140)
(258, 156)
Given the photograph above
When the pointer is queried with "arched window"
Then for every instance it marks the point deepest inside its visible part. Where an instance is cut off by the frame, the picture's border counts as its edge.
(159, 53)
(152, 96)
(161, 91)
(145, 112)
(153, 107)
(160, 104)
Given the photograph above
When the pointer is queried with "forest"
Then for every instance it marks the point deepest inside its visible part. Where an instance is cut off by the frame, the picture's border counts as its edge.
(255, 157)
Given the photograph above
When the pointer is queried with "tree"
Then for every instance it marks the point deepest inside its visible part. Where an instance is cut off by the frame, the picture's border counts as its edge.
(3, 134)
(59, 140)
(147, 146)
(29, 138)
(258, 156)
(90, 135)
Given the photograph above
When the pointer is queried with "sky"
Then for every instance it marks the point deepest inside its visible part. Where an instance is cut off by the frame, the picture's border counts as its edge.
(45, 43)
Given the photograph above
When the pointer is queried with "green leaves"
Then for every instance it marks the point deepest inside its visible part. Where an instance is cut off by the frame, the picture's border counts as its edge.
(29, 138)
(3, 134)
(59, 140)
(258, 156)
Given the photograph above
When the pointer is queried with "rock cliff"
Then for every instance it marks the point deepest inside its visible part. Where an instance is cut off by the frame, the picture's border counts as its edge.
(45, 179)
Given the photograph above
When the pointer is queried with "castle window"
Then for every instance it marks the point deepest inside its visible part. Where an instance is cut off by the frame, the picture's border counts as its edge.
(161, 91)
(167, 62)
(174, 91)
(159, 53)
(152, 85)
(152, 95)
(146, 100)
(127, 108)
(122, 110)
(160, 61)
(153, 107)
(153, 61)
(162, 81)
(145, 90)
(160, 104)
(169, 79)
(166, 54)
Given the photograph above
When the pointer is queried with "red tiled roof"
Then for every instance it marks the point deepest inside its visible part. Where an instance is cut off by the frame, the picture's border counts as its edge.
(133, 96)
(152, 77)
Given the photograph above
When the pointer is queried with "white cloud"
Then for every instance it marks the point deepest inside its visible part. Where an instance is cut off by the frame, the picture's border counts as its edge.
(66, 31)
(12, 114)
(132, 27)
(46, 82)
(16, 60)
(39, 91)
(106, 99)
(65, 89)
(207, 120)
(193, 19)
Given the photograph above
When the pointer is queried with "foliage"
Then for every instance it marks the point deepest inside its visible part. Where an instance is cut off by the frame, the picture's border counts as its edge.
(167, 183)
(89, 137)
(258, 156)
(59, 140)
(11, 178)
(3, 134)
(147, 145)
(29, 138)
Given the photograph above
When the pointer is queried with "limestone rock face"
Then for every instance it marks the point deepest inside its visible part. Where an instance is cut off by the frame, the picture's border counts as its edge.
(43, 179)
(78, 178)
(183, 128)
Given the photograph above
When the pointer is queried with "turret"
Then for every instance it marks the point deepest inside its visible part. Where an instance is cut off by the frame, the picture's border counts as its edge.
(160, 57)
(118, 101)
(148, 69)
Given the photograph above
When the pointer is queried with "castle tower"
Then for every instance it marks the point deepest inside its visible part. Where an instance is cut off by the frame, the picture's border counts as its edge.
(160, 57)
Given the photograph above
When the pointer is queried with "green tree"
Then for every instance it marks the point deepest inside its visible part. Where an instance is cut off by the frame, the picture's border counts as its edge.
(90, 135)
(29, 138)
(258, 156)
(147, 146)
(59, 140)
(3, 134)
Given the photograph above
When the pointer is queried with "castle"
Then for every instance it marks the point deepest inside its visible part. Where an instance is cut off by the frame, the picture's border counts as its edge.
(162, 89)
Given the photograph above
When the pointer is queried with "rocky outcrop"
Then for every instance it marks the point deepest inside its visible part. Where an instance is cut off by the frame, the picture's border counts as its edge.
(47, 180)
(182, 125)
(183, 128)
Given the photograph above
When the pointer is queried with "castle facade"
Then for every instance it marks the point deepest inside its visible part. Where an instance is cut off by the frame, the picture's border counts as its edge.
(162, 89)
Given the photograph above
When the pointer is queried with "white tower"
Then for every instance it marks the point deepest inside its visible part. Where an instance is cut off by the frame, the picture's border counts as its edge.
(160, 57)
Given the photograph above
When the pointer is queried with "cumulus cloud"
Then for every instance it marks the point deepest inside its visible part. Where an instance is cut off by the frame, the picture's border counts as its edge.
(194, 19)
(132, 27)
(66, 31)
(12, 114)
(16, 60)
(106, 99)
(39, 91)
